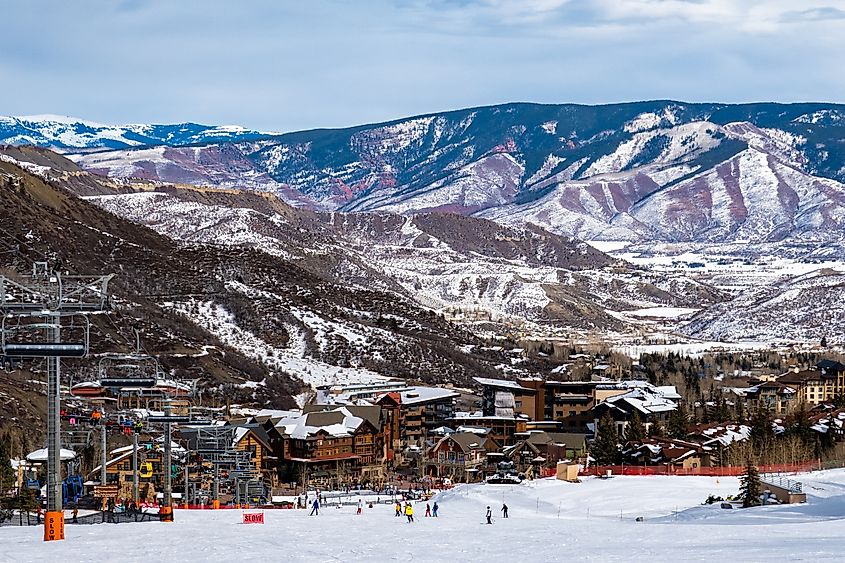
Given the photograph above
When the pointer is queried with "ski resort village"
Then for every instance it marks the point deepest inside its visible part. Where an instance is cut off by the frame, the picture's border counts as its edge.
(194, 372)
(432, 280)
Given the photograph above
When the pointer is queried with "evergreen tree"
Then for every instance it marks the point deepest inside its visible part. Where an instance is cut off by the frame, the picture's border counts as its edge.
(749, 487)
(762, 433)
(678, 423)
(605, 448)
(7, 474)
(723, 413)
(7, 481)
(801, 426)
(658, 430)
(635, 429)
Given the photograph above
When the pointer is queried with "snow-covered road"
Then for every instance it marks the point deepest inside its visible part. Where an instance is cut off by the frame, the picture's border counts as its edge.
(549, 521)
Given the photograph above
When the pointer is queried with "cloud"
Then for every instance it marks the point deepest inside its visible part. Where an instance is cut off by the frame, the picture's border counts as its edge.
(823, 13)
(294, 65)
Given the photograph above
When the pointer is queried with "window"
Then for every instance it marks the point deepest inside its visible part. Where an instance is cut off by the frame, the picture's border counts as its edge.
(441, 457)
(451, 456)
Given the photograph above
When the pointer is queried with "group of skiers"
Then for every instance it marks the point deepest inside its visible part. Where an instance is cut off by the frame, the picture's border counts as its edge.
(489, 514)
(408, 510)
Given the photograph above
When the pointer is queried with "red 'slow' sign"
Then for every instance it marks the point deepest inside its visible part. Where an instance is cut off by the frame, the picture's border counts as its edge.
(253, 517)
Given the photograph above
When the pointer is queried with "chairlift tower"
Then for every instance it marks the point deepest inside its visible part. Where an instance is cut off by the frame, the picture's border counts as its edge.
(169, 419)
(35, 308)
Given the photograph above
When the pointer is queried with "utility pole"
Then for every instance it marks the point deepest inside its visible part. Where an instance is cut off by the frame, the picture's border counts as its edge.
(135, 491)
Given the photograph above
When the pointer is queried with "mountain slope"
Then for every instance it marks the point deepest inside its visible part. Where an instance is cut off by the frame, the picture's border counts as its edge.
(246, 325)
(66, 133)
(576, 170)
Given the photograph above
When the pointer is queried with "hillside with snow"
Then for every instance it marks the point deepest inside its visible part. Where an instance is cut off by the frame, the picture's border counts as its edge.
(644, 171)
(71, 133)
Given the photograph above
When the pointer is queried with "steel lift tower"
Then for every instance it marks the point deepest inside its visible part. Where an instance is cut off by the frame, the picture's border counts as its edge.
(35, 309)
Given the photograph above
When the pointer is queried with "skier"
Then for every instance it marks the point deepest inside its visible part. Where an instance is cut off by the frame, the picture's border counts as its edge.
(427, 510)
(315, 507)
(360, 506)
(504, 510)
(435, 510)
(409, 512)
(489, 516)
(398, 508)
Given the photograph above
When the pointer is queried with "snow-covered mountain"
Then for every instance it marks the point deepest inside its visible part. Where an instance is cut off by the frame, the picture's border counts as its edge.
(640, 171)
(70, 133)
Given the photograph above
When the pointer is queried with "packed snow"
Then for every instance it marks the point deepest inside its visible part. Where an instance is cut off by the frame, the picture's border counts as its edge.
(595, 520)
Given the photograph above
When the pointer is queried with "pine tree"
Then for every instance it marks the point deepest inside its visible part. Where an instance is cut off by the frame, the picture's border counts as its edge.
(605, 448)
(635, 429)
(7, 481)
(723, 413)
(801, 426)
(658, 430)
(749, 487)
(7, 474)
(762, 433)
(678, 422)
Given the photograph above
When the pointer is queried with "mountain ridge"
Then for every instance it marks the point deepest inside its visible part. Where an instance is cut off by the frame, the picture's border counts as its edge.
(592, 172)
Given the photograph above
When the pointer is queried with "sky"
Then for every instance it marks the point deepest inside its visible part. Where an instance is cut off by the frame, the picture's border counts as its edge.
(285, 65)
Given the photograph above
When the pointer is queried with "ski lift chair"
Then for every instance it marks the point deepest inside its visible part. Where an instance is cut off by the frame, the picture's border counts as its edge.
(128, 371)
(23, 335)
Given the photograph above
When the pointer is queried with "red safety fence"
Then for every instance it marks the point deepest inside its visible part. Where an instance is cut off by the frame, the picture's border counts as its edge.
(548, 472)
(731, 471)
(230, 507)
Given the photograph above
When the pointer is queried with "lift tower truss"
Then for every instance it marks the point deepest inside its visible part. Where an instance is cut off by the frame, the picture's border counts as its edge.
(35, 309)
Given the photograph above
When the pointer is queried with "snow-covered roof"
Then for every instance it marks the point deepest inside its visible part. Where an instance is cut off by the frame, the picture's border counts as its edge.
(503, 383)
(337, 423)
(419, 395)
(41, 455)
(725, 434)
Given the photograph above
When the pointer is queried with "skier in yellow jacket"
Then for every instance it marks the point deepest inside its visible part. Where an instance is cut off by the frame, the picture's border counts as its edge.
(409, 512)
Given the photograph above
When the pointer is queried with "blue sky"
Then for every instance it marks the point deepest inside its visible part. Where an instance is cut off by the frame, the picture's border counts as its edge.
(287, 65)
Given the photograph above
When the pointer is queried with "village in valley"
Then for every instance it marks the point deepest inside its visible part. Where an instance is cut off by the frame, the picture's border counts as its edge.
(595, 415)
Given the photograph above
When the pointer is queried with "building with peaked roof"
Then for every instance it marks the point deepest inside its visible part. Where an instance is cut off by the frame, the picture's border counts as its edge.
(652, 404)
(329, 447)
(667, 451)
(458, 456)
(253, 438)
(773, 396)
(536, 448)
